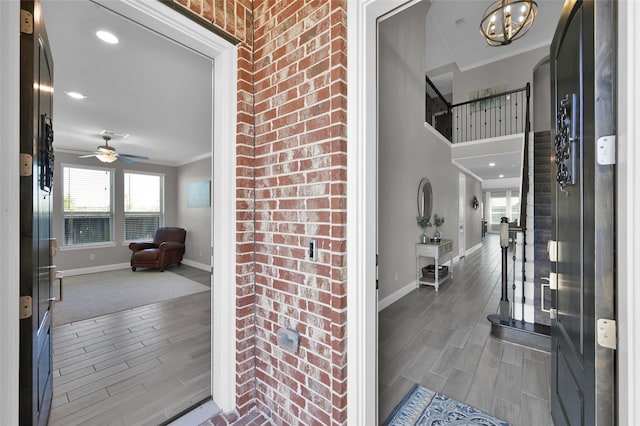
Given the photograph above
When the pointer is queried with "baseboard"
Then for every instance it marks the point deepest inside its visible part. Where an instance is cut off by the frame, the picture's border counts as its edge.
(397, 295)
(474, 248)
(116, 266)
(94, 269)
(196, 265)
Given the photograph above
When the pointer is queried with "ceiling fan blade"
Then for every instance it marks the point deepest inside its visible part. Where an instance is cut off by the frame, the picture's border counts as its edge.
(87, 156)
(125, 160)
(140, 157)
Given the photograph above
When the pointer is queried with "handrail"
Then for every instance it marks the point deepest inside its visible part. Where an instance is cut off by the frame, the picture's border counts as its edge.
(435, 89)
(497, 95)
(490, 116)
(524, 185)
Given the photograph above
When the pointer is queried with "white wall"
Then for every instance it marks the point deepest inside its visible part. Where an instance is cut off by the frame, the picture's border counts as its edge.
(196, 220)
(408, 151)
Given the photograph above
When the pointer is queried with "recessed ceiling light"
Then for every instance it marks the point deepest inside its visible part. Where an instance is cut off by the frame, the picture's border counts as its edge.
(501, 176)
(107, 37)
(76, 95)
(492, 164)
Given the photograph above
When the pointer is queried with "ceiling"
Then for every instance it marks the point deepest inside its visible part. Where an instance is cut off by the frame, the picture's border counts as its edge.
(158, 92)
(453, 34)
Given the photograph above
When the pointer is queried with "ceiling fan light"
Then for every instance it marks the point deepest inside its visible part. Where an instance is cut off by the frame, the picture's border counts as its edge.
(106, 158)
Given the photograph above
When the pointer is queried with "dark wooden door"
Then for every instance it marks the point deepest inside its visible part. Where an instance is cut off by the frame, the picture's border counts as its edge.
(36, 151)
(582, 75)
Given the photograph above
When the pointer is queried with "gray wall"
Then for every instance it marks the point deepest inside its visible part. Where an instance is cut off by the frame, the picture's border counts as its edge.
(197, 221)
(514, 72)
(473, 218)
(409, 151)
(80, 258)
(542, 97)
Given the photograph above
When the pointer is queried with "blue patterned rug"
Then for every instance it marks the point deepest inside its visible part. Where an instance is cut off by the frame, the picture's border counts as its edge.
(425, 407)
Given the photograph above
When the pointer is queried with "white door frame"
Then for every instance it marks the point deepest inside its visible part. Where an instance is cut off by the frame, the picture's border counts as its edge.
(361, 164)
(166, 21)
(361, 207)
(628, 212)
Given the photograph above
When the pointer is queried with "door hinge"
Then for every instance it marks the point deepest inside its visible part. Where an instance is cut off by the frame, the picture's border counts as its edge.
(606, 150)
(26, 164)
(553, 313)
(26, 22)
(26, 308)
(606, 333)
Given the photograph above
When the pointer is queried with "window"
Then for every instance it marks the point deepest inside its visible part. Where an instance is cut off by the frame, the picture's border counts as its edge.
(143, 205)
(88, 206)
(515, 208)
(505, 204)
(498, 209)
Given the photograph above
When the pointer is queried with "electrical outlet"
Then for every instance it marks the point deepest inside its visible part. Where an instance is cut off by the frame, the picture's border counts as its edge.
(92, 256)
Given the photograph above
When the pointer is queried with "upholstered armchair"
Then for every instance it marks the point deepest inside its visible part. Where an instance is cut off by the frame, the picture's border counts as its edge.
(167, 248)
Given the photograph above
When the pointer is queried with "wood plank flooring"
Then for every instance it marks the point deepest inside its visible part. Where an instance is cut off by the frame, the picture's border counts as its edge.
(442, 341)
(136, 367)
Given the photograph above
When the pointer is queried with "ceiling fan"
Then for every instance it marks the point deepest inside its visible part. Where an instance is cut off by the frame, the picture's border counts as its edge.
(108, 154)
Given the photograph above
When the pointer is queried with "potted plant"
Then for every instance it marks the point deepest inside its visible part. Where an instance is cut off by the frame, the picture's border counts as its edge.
(424, 222)
(437, 221)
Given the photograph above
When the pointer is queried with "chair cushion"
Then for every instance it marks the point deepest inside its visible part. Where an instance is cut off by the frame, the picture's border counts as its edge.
(147, 254)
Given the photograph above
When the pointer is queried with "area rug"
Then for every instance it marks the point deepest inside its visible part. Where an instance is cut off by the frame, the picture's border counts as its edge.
(91, 295)
(424, 407)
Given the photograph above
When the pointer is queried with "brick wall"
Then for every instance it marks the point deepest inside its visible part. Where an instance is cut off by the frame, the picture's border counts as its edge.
(297, 79)
(300, 105)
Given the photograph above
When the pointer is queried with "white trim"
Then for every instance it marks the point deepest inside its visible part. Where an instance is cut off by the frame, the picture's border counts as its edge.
(628, 212)
(503, 184)
(223, 281)
(395, 296)
(438, 135)
(506, 138)
(474, 248)
(9, 212)
(467, 171)
(95, 269)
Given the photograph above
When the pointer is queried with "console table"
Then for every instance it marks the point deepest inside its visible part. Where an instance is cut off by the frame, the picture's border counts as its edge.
(436, 251)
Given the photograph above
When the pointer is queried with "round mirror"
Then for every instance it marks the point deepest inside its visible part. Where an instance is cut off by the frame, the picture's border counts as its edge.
(425, 198)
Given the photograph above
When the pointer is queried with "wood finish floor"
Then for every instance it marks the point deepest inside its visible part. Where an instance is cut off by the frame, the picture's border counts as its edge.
(442, 341)
(136, 367)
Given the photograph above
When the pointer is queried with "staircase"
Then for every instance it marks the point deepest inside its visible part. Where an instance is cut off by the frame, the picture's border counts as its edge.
(543, 169)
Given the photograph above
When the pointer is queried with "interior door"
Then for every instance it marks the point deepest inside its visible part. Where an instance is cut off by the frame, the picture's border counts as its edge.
(582, 72)
(36, 182)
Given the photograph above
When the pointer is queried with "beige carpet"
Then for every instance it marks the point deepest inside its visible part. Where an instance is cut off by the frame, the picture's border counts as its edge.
(92, 295)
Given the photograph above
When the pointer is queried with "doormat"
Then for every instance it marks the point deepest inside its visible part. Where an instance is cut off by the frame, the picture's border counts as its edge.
(424, 407)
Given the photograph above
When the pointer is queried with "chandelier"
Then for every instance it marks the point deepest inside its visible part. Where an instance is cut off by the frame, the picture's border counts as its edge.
(505, 21)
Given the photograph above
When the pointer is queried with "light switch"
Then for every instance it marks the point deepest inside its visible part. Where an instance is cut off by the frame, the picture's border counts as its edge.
(313, 250)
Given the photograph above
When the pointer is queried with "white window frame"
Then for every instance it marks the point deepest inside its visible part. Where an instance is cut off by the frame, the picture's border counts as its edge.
(124, 195)
(111, 242)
